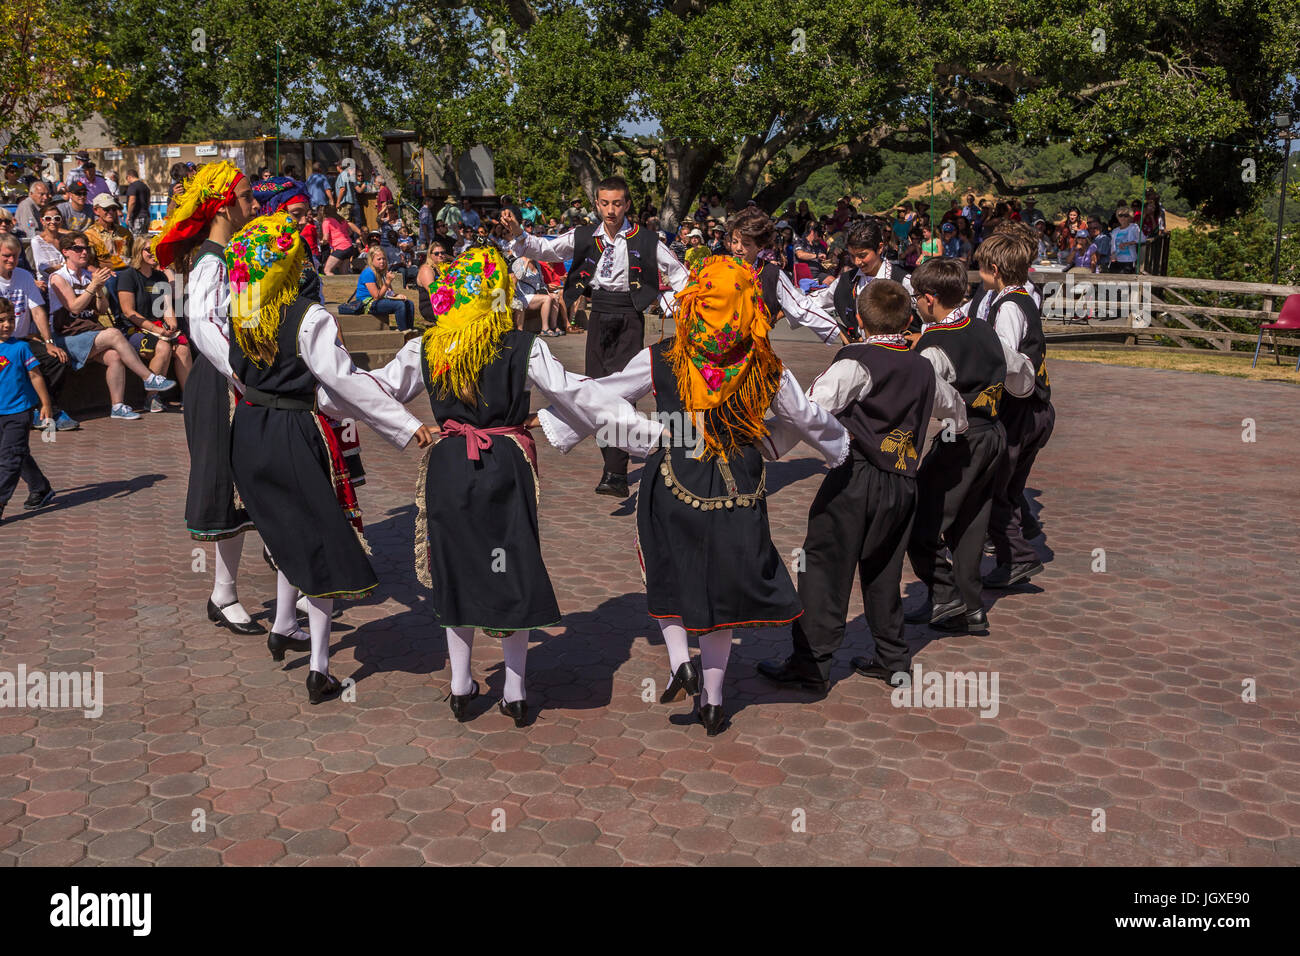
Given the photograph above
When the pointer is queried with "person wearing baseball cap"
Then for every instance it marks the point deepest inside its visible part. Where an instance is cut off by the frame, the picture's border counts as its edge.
(96, 185)
(530, 213)
(76, 211)
(109, 238)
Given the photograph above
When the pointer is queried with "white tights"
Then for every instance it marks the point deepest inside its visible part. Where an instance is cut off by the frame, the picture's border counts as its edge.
(460, 647)
(227, 553)
(715, 651)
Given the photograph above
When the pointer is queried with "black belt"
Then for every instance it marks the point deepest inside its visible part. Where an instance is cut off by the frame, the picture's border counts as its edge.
(299, 402)
(604, 299)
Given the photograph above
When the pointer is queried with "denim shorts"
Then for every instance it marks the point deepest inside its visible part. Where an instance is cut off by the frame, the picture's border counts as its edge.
(78, 346)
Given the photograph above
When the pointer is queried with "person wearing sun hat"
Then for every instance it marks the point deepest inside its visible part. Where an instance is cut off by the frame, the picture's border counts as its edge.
(476, 535)
(213, 203)
(702, 529)
(286, 358)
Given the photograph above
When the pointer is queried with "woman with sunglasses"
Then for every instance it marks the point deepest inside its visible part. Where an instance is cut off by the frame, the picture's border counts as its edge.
(45, 254)
(435, 260)
(79, 296)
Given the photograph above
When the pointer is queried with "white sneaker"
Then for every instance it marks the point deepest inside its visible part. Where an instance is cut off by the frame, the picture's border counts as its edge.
(156, 405)
(124, 412)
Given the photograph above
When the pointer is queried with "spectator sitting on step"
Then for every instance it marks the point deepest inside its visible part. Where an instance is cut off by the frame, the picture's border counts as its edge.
(531, 292)
(340, 237)
(44, 252)
(28, 217)
(435, 260)
(79, 299)
(144, 296)
(374, 293)
(76, 211)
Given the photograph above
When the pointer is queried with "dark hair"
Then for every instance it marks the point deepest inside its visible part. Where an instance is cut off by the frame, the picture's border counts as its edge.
(51, 207)
(612, 183)
(943, 278)
(68, 240)
(6, 308)
(752, 223)
(884, 307)
(866, 235)
(444, 244)
(179, 172)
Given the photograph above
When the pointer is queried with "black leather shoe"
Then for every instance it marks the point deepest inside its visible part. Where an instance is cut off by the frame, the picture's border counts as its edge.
(613, 485)
(219, 619)
(322, 686)
(277, 644)
(783, 672)
(712, 717)
(516, 710)
(1009, 575)
(460, 702)
(933, 614)
(685, 681)
(969, 622)
(867, 667)
(38, 499)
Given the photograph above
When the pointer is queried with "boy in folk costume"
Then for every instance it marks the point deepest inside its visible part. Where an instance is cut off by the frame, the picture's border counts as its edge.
(214, 203)
(885, 395)
(702, 529)
(476, 536)
(616, 264)
(866, 246)
(750, 236)
(286, 357)
(955, 481)
(1029, 420)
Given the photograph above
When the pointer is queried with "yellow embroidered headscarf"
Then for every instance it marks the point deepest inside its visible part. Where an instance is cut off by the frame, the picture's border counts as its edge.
(471, 300)
(209, 189)
(727, 373)
(265, 259)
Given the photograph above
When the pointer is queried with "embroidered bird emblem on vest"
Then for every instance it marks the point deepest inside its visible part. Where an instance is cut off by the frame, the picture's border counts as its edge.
(900, 443)
(990, 398)
(1042, 371)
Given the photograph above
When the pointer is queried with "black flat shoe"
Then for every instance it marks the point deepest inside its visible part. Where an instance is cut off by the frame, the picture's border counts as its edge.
(1009, 575)
(277, 644)
(322, 686)
(782, 672)
(516, 710)
(933, 614)
(969, 622)
(460, 702)
(219, 619)
(867, 667)
(613, 485)
(685, 681)
(712, 717)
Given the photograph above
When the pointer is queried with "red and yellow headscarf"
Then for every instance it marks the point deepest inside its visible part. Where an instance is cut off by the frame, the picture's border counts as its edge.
(205, 193)
(727, 373)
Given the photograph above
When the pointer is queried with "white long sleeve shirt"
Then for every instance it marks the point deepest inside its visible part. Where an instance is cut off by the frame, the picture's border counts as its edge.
(581, 406)
(794, 418)
(826, 297)
(1019, 379)
(800, 310)
(611, 273)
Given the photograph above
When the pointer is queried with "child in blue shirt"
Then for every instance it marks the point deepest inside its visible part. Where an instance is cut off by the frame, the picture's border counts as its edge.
(22, 387)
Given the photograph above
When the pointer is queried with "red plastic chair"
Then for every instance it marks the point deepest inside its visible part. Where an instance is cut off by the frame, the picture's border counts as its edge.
(1288, 320)
(802, 271)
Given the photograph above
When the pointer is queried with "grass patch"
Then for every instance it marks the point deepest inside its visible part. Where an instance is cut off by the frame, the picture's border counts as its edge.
(1236, 365)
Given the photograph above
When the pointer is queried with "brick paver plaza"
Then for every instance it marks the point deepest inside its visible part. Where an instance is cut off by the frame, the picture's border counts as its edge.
(1120, 690)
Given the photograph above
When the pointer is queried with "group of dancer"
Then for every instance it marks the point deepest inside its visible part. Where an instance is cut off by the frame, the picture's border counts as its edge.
(273, 377)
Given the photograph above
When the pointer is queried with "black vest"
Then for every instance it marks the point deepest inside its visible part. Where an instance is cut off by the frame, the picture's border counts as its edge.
(846, 303)
(503, 395)
(642, 264)
(1033, 346)
(888, 423)
(976, 355)
(288, 374)
(769, 278)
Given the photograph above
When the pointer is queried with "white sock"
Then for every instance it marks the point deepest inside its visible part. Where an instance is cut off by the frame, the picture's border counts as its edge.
(679, 652)
(286, 610)
(460, 644)
(226, 554)
(715, 650)
(515, 649)
(318, 619)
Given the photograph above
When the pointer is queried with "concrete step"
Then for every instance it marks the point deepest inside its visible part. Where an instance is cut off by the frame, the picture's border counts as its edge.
(373, 360)
(370, 341)
(358, 323)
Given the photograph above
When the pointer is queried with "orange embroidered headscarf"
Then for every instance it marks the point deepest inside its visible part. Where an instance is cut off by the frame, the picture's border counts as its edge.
(727, 373)
(204, 194)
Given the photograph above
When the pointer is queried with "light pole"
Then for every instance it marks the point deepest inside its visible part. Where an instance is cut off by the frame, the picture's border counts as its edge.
(1282, 123)
(277, 109)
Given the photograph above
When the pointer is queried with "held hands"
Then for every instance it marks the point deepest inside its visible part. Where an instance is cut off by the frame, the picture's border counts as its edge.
(511, 224)
(425, 436)
(532, 421)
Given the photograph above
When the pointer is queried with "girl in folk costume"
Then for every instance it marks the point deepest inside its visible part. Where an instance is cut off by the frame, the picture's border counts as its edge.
(476, 536)
(702, 531)
(286, 357)
(213, 204)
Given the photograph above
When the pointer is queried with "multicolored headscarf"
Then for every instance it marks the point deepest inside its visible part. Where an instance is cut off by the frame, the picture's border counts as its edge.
(727, 373)
(201, 198)
(471, 300)
(265, 259)
(275, 193)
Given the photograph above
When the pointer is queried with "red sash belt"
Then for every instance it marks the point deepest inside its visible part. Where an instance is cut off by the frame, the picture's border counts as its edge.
(478, 440)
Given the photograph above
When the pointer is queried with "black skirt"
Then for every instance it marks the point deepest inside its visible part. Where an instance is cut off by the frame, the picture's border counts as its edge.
(483, 562)
(281, 466)
(210, 512)
(714, 567)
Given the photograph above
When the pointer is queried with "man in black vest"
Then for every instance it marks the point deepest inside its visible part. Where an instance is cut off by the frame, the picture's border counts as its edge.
(866, 246)
(616, 264)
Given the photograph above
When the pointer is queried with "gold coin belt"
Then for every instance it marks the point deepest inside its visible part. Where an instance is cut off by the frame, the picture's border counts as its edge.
(729, 502)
